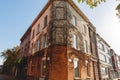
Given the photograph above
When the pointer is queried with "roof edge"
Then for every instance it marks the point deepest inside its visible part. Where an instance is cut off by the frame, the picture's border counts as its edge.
(38, 16)
(78, 10)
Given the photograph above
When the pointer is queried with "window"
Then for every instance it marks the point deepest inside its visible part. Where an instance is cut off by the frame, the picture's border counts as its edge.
(84, 28)
(33, 33)
(76, 67)
(44, 41)
(37, 45)
(107, 51)
(43, 66)
(45, 21)
(87, 67)
(75, 41)
(31, 68)
(101, 46)
(88, 73)
(85, 46)
(38, 28)
(74, 21)
(103, 71)
(107, 60)
(102, 57)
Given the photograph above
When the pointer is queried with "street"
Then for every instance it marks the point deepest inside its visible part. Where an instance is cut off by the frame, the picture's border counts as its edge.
(5, 77)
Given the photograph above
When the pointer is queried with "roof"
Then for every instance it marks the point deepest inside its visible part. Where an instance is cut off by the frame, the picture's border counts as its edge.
(47, 5)
(78, 10)
(39, 15)
(102, 40)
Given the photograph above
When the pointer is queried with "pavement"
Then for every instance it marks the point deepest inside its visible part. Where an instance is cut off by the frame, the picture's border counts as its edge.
(117, 79)
(7, 77)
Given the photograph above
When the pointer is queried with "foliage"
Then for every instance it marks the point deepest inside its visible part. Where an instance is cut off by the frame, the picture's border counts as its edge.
(118, 10)
(92, 3)
(10, 57)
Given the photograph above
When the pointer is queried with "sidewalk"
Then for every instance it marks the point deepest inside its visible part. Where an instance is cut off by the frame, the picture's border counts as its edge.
(7, 77)
(117, 79)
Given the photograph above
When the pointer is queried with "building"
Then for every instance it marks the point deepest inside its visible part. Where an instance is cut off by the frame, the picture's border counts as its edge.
(60, 44)
(1, 68)
(104, 57)
(115, 69)
(118, 62)
(94, 51)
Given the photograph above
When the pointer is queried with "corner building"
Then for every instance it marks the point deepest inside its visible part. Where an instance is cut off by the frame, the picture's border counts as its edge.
(60, 44)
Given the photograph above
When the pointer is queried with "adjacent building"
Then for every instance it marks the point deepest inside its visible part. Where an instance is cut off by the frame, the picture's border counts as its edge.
(104, 57)
(115, 69)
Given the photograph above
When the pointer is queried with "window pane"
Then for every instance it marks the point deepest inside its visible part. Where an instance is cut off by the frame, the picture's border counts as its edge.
(37, 45)
(74, 21)
(76, 68)
(44, 41)
(84, 29)
(45, 21)
(43, 67)
(33, 33)
(101, 46)
(38, 28)
(75, 41)
(104, 71)
(102, 57)
(85, 46)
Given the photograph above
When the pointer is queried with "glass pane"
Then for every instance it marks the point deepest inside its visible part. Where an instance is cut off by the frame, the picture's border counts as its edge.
(75, 41)
(76, 68)
(43, 68)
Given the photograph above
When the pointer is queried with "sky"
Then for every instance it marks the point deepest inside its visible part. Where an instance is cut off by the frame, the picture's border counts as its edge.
(17, 15)
(107, 24)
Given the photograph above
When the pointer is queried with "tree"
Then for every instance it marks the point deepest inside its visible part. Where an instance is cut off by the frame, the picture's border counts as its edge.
(118, 9)
(10, 58)
(92, 3)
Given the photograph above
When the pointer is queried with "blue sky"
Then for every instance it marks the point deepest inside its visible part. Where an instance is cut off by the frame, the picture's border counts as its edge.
(17, 15)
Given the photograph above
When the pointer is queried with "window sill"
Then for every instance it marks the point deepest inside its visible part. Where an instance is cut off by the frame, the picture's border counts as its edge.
(77, 78)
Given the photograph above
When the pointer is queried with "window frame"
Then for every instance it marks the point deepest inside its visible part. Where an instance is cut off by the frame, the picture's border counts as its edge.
(105, 71)
(74, 20)
(45, 20)
(38, 28)
(84, 29)
(37, 45)
(85, 46)
(75, 41)
(44, 40)
(78, 75)
(43, 59)
(33, 33)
